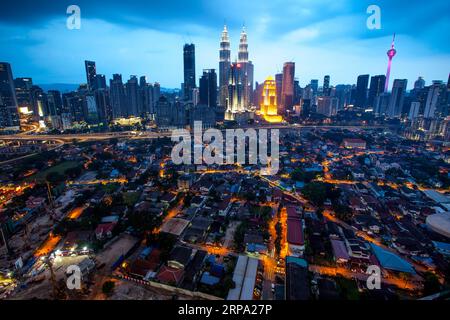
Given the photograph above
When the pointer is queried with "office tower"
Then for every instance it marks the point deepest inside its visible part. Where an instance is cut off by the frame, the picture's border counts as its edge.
(24, 95)
(326, 85)
(40, 103)
(208, 88)
(414, 110)
(246, 68)
(376, 88)
(419, 83)
(117, 95)
(287, 90)
(73, 102)
(397, 98)
(307, 92)
(171, 115)
(145, 93)
(224, 66)
(314, 86)
(189, 70)
(132, 97)
(327, 106)
(91, 72)
(100, 81)
(54, 103)
(103, 104)
(202, 113)
(235, 92)
(9, 113)
(343, 93)
(297, 92)
(268, 105)
(306, 106)
(279, 85)
(91, 110)
(434, 101)
(361, 91)
(156, 92)
(381, 103)
(391, 53)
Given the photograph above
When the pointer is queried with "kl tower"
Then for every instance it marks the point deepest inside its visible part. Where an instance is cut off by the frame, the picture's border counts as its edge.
(391, 53)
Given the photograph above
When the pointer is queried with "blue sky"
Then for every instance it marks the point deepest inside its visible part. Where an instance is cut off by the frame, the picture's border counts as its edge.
(146, 38)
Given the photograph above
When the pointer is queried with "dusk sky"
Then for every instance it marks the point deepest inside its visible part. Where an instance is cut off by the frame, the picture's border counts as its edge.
(146, 38)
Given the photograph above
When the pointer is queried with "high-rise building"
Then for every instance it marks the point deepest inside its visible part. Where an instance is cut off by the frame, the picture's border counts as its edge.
(224, 66)
(435, 95)
(361, 91)
(314, 86)
(208, 88)
(9, 114)
(419, 83)
(24, 94)
(268, 104)
(117, 95)
(327, 106)
(189, 70)
(246, 68)
(103, 104)
(91, 72)
(414, 110)
(297, 92)
(343, 93)
(133, 102)
(279, 85)
(100, 81)
(235, 91)
(40, 103)
(376, 88)
(397, 98)
(381, 103)
(390, 53)
(55, 104)
(326, 85)
(287, 90)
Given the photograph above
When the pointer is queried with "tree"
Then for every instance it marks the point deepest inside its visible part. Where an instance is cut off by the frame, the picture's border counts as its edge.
(54, 178)
(343, 212)
(315, 192)
(108, 287)
(431, 284)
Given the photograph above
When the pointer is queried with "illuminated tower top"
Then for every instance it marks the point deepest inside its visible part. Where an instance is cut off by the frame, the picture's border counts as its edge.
(390, 53)
(225, 45)
(243, 47)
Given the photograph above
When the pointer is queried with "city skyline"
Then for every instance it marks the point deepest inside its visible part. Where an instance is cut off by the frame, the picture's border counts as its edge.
(138, 46)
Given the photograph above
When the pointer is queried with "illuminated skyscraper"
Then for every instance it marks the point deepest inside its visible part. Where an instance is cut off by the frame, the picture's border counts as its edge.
(235, 91)
(246, 67)
(189, 70)
(287, 89)
(9, 115)
(391, 53)
(269, 101)
(91, 72)
(224, 66)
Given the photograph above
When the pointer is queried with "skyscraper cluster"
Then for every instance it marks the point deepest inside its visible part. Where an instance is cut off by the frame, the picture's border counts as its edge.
(235, 78)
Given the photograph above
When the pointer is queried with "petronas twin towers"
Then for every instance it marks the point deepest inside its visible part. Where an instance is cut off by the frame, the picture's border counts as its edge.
(235, 79)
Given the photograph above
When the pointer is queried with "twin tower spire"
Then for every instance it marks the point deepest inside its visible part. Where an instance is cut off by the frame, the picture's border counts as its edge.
(225, 46)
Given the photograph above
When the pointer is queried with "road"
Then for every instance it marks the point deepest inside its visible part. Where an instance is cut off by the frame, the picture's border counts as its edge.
(153, 135)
